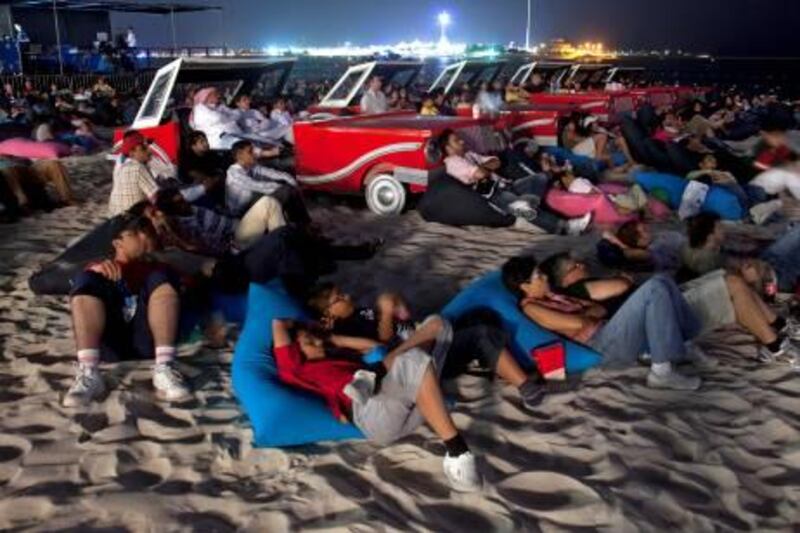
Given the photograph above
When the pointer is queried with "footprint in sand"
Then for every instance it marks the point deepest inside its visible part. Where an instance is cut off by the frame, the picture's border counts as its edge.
(558, 498)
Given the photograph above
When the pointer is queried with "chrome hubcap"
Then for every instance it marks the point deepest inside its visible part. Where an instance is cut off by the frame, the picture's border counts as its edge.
(387, 196)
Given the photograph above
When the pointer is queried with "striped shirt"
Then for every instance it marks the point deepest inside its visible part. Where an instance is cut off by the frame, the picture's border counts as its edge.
(213, 233)
(243, 187)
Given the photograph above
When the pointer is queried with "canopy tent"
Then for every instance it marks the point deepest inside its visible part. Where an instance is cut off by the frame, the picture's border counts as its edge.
(159, 8)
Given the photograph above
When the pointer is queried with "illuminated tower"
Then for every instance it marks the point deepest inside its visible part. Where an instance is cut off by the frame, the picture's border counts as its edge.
(444, 21)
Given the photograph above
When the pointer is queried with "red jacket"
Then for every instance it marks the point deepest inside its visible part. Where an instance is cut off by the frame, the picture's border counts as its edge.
(325, 377)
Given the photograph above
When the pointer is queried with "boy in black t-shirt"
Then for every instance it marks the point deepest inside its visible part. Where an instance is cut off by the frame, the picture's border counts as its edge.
(387, 321)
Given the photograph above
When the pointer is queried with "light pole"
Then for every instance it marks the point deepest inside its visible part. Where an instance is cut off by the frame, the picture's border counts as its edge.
(444, 21)
(528, 28)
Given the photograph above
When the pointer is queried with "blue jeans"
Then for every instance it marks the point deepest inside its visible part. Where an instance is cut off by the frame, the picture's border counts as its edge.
(784, 256)
(655, 320)
(533, 190)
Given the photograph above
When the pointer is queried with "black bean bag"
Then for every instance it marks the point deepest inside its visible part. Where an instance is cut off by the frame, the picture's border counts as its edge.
(55, 277)
(647, 118)
(635, 136)
(683, 160)
(448, 201)
(12, 130)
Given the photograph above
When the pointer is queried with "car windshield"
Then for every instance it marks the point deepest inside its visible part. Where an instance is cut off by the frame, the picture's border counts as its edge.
(346, 85)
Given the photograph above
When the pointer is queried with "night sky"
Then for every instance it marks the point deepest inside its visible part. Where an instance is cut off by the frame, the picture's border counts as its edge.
(727, 27)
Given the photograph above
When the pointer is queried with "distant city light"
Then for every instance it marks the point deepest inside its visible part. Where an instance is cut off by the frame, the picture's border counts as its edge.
(416, 48)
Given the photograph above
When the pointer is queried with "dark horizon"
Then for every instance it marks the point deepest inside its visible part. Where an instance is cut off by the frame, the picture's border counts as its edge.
(718, 27)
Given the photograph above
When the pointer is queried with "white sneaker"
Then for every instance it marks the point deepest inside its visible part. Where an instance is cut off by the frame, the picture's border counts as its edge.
(696, 356)
(788, 350)
(577, 226)
(792, 330)
(169, 383)
(361, 389)
(522, 209)
(462, 472)
(673, 380)
(762, 212)
(88, 386)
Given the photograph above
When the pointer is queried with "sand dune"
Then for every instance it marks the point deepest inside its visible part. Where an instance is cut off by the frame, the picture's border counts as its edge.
(613, 455)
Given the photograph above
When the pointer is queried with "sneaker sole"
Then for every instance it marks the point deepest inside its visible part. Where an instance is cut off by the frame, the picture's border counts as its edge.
(161, 395)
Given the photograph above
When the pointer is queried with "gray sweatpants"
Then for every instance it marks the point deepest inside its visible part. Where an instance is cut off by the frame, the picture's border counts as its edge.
(392, 413)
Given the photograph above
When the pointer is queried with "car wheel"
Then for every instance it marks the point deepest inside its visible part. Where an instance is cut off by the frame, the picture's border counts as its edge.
(385, 195)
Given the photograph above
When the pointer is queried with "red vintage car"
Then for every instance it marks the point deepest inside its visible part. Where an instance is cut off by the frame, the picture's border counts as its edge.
(164, 118)
(523, 121)
(384, 156)
(592, 98)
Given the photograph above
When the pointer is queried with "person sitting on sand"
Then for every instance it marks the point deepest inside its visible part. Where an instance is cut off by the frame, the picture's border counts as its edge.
(522, 198)
(202, 230)
(386, 401)
(199, 164)
(133, 178)
(127, 305)
(478, 336)
(247, 181)
(654, 319)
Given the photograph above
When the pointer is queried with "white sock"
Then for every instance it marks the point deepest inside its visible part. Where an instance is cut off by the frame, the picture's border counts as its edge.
(661, 369)
(90, 357)
(165, 354)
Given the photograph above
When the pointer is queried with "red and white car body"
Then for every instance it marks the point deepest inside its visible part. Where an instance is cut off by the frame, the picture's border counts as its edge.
(384, 157)
(231, 76)
(607, 106)
(344, 97)
(523, 121)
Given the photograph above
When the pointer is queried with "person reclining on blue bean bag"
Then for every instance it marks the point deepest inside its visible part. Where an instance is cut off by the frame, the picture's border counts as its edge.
(654, 319)
(477, 336)
(387, 400)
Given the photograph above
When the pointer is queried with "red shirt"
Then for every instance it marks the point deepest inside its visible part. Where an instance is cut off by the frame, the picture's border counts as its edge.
(773, 157)
(135, 273)
(324, 377)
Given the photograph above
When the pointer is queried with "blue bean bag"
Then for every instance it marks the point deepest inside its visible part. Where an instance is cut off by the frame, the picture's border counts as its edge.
(583, 165)
(489, 292)
(280, 415)
(719, 200)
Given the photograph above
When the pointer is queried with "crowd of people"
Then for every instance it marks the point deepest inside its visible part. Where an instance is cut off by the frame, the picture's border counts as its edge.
(231, 204)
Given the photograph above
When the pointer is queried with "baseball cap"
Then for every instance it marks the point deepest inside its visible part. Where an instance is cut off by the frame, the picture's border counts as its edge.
(131, 141)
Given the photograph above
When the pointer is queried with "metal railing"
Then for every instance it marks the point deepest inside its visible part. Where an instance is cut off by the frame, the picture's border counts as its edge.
(42, 82)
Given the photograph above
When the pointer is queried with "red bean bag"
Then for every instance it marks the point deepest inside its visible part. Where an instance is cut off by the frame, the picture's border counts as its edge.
(573, 205)
(30, 149)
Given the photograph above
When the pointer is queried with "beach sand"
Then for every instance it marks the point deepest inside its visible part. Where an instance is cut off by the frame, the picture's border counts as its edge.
(613, 455)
